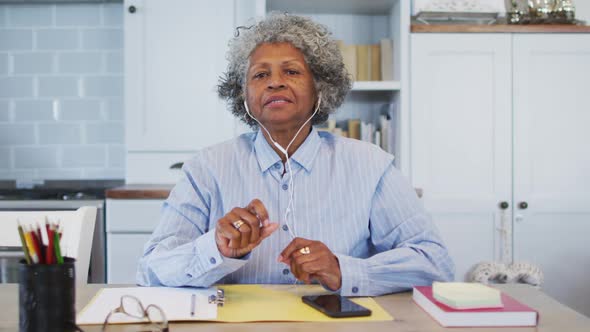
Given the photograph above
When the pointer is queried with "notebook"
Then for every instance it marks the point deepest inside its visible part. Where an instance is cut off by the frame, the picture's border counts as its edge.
(513, 313)
(466, 295)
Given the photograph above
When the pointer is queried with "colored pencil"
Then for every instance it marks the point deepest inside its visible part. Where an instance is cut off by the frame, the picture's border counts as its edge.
(21, 234)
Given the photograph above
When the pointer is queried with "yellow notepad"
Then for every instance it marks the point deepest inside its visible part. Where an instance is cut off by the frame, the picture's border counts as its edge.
(249, 303)
(466, 295)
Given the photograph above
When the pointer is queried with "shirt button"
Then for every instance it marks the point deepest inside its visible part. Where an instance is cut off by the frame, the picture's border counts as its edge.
(285, 186)
(355, 289)
(212, 260)
(286, 271)
(285, 228)
(277, 165)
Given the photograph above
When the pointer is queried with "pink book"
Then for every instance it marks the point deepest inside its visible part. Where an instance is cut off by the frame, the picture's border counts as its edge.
(513, 313)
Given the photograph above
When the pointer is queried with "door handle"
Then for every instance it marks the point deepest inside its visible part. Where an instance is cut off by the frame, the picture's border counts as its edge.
(523, 205)
(503, 205)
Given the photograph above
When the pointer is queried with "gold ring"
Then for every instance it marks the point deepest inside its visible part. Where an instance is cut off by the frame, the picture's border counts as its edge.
(238, 223)
(305, 251)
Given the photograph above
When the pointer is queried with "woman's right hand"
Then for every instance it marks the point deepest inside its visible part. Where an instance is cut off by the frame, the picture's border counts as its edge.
(235, 242)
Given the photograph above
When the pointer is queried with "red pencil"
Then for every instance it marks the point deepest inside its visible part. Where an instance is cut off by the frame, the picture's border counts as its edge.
(36, 245)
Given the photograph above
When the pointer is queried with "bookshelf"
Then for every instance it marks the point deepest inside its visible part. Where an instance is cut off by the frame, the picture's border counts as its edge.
(360, 22)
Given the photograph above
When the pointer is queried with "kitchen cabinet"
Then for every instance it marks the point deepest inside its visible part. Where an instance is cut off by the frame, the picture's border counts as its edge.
(129, 225)
(499, 147)
(174, 54)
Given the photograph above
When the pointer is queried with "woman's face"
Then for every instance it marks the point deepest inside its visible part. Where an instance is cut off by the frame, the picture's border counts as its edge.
(279, 86)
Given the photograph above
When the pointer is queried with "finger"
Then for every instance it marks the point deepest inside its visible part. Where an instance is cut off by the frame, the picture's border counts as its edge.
(259, 210)
(267, 230)
(294, 245)
(298, 273)
(228, 230)
(252, 222)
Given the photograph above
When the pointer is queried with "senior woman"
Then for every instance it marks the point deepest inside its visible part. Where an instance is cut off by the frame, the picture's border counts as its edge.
(288, 202)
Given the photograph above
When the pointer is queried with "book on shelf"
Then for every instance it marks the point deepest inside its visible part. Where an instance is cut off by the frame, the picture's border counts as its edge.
(386, 59)
(354, 128)
(363, 65)
(513, 313)
(348, 57)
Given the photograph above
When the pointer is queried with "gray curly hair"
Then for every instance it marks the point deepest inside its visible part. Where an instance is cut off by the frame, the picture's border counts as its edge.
(319, 50)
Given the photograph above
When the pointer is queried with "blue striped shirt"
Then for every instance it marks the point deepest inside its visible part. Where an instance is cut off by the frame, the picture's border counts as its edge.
(347, 194)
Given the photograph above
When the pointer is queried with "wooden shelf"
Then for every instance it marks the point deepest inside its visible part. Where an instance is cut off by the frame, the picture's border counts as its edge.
(495, 28)
(376, 86)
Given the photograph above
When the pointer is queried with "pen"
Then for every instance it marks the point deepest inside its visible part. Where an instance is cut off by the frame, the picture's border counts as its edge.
(58, 256)
(193, 303)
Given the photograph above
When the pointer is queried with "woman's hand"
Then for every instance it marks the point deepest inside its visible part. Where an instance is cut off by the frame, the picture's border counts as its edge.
(242, 229)
(312, 260)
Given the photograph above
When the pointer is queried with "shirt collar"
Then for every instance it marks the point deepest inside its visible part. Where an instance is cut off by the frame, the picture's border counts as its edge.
(304, 155)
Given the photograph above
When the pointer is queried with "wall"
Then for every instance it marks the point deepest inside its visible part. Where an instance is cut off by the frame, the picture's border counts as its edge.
(61, 89)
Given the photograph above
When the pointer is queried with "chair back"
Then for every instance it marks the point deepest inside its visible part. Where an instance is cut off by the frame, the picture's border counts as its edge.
(76, 241)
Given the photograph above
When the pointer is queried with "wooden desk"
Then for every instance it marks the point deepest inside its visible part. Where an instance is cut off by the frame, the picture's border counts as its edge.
(408, 316)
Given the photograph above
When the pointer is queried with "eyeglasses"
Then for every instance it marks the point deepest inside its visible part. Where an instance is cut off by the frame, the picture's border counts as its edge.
(131, 306)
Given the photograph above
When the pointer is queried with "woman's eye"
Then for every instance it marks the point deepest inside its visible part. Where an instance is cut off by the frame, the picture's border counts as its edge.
(260, 75)
(292, 72)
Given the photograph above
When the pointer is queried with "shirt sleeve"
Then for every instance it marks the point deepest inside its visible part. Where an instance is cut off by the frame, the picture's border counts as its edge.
(408, 248)
(182, 249)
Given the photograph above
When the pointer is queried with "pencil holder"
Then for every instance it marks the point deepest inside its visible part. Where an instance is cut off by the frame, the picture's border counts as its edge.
(47, 296)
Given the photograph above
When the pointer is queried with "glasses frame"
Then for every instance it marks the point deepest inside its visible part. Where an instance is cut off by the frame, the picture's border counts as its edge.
(161, 326)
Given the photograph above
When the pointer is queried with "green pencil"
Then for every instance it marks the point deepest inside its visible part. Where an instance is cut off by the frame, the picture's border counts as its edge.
(58, 257)
(21, 234)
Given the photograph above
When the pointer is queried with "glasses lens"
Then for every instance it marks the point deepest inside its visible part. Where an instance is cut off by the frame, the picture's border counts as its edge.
(156, 315)
(132, 306)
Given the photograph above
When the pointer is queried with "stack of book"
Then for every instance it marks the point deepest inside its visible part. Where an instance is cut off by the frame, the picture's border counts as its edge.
(381, 134)
(466, 304)
(369, 62)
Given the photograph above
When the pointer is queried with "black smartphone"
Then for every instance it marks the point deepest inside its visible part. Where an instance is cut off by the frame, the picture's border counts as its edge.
(336, 306)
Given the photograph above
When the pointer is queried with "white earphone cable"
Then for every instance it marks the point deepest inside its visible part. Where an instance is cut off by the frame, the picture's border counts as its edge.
(285, 151)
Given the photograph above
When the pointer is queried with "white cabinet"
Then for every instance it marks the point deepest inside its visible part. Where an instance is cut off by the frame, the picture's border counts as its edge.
(129, 225)
(552, 161)
(174, 55)
(461, 145)
(501, 118)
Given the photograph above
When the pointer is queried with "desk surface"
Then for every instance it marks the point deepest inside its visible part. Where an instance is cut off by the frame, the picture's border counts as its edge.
(408, 316)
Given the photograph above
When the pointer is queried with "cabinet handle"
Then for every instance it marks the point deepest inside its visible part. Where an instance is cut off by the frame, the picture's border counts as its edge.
(523, 205)
(132, 9)
(504, 205)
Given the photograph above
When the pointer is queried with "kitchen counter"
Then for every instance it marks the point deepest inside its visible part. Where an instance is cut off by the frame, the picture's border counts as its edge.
(155, 191)
(499, 28)
(140, 191)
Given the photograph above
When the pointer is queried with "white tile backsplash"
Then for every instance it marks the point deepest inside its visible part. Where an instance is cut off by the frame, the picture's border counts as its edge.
(81, 110)
(108, 132)
(16, 39)
(33, 110)
(84, 156)
(30, 16)
(3, 64)
(33, 63)
(61, 91)
(60, 133)
(81, 62)
(58, 39)
(77, 15)
(16, 87)
(58, 86)
(35, 157)
(102, 39)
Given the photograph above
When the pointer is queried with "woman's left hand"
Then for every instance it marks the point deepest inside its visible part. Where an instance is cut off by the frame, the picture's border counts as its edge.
(312, 260)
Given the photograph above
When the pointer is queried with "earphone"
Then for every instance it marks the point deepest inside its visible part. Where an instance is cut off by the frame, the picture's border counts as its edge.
(291, 205)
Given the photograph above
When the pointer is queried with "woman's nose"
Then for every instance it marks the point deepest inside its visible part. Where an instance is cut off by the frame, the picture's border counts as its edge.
(276, 81)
